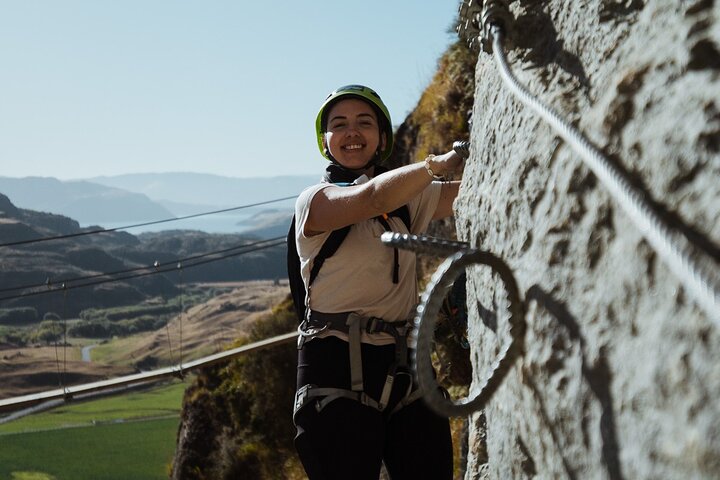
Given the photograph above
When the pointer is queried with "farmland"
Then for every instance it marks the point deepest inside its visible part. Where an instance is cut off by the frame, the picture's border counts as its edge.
(130, 436)
(140, 449)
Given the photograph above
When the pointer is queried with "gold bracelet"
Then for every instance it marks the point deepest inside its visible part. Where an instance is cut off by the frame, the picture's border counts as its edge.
(429, 168)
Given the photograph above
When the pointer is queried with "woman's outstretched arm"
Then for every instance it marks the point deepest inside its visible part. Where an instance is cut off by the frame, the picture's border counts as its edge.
(336, 207)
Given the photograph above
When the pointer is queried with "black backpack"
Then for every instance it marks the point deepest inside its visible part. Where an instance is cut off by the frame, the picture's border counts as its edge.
(297, 287)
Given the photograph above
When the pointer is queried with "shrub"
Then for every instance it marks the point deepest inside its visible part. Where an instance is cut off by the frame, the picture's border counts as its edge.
(14, 336)
(18, 316)
(47, 332)
(90, 329)
(238, 405)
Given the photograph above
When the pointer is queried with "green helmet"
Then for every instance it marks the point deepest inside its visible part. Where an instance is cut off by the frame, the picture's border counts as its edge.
(363, 93)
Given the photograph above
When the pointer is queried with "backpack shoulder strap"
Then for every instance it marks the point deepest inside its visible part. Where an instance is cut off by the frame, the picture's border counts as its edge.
(297, 286)
(333, 242)
(404, 214)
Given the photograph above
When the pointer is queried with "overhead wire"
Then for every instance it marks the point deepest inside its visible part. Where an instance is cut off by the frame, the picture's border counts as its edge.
(158, 270)
(182, 313)
(49, 281)
(64, 331)
(167, 327)
(55, 336)
(127, 227)
(177, 264)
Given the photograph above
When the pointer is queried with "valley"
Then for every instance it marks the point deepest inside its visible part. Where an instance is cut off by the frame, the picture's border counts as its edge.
(198, 330)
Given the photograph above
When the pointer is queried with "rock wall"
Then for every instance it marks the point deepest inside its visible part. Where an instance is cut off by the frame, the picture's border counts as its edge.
(621, 374)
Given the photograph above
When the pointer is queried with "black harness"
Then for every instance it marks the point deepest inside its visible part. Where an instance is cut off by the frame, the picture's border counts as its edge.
(313, 322)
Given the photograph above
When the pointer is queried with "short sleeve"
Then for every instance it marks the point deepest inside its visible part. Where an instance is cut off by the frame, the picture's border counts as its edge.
(302, 206)
(307, 247)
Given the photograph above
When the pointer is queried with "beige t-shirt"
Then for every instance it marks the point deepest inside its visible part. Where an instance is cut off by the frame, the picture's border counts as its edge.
(358, 277)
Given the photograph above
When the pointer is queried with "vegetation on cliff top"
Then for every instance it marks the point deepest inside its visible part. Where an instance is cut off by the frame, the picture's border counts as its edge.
(236, 420)
(442, 114)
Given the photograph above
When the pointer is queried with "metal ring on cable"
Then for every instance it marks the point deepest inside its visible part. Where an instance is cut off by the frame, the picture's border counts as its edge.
(424, 325)
(423, 333)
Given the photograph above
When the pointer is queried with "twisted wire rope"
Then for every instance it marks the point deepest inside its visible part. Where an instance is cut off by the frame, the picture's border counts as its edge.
(702, 283)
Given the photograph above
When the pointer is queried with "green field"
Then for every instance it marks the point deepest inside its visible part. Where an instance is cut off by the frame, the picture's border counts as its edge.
(129, 436)
(162, 401)
(137, 450)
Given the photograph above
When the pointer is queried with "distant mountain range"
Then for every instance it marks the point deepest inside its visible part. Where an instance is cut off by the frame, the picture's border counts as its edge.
(183, 190)
(87, 202)
(136, 198)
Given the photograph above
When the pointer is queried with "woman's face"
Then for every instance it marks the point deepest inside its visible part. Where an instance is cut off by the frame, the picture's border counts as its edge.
(353, 135)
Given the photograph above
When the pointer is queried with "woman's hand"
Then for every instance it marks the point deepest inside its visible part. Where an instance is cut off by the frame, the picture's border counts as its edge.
(444, 164)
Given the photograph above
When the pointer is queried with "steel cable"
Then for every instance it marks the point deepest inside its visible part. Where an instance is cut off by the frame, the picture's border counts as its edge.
(77, 391)
(49, 282)
(144, 274)
(702, 283)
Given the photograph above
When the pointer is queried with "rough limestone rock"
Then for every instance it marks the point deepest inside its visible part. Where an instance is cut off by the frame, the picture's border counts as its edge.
(621, 374)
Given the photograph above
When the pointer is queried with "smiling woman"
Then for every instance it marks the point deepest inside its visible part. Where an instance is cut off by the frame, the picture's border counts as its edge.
(356, 404)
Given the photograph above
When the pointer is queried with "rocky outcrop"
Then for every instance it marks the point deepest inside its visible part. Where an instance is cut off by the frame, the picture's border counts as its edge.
(621, 374)
(7, 209)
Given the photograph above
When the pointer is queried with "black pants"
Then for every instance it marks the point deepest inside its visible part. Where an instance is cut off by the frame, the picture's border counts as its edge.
(347, 440)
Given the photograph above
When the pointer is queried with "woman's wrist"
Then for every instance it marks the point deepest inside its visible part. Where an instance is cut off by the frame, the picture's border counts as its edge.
(432, 167)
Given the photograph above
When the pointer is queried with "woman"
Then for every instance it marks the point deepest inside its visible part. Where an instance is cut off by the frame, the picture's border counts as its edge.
(356, 403)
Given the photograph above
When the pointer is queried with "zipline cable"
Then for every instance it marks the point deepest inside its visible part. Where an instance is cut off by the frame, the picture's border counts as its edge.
(167, 324)
(145, 274)
(49, 281)
(66, 393)
(64, 327)
(155, 222)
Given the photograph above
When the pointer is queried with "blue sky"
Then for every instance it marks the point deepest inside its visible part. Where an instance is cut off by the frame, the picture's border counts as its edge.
(105, 87)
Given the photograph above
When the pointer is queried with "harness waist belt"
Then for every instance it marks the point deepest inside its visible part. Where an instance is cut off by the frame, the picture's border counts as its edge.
(342, 321)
